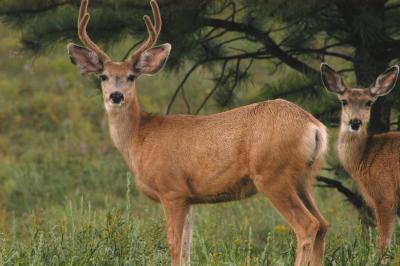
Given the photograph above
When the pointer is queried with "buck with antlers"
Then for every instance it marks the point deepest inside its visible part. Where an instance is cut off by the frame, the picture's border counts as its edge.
(373, 161)
(272, 147)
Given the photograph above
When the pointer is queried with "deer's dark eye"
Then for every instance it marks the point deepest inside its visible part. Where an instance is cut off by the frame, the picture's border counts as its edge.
(131, 78)
(103, 77)
(369, 103)
(344, 102)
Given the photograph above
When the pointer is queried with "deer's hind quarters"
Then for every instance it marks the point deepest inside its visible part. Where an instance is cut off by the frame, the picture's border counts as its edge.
(182, 140)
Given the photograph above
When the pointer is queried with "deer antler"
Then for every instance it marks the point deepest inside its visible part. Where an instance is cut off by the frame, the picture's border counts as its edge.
(153, 30)
(83, 21)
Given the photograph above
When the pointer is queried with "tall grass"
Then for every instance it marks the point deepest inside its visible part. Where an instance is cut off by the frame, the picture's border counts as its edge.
(129, 230)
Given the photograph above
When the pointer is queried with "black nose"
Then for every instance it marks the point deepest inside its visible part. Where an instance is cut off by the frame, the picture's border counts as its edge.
(355, 124)
(116, 97)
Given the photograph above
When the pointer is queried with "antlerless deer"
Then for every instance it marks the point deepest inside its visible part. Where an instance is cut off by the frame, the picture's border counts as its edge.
(272, 147)
(373, 161)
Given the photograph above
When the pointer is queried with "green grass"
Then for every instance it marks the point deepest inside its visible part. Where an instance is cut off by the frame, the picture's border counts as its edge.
(85, 210)
(111, 224)
(67, 198)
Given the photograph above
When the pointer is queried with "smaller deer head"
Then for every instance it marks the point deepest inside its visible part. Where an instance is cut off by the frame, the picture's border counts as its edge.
(356, 102)
(118, 78)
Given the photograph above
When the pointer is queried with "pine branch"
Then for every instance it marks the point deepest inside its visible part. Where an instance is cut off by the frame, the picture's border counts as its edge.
(132, 48)
(355, 199)
(255, 55)
(34, 11)
(236, 75)
(270, 46)
(180, 86)
(186, 101)
(217, 83)
(365, 213)
(322, 51)
(38, 10)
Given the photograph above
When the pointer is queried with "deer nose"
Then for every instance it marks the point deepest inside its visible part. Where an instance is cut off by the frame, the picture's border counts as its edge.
(116, 97)
(355, 124)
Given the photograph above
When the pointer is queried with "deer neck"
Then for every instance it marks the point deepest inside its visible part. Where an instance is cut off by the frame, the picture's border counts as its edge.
(352, 147)
(124, 127)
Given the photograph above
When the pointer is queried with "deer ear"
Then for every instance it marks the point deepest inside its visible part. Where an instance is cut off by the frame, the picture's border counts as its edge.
(332, 80)
(153, 60)
(385, 82)
(85, 59)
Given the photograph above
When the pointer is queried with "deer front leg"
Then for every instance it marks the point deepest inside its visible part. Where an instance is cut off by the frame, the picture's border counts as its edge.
(177, 214)
(187, 237)
(384, 212)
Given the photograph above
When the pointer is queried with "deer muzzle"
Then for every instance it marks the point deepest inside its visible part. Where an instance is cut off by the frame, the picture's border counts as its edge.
(116, 98)
(355, 124)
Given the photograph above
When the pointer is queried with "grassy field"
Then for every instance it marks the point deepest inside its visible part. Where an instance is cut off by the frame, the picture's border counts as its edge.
(68, 199)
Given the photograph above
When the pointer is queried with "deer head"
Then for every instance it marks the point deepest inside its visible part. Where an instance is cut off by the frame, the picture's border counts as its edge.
(356, 102)
(118, 78)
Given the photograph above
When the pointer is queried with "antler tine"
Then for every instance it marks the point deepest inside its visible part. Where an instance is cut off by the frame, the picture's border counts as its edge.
(83, 22)
(153, 30)
(157, 15)
(83, 10)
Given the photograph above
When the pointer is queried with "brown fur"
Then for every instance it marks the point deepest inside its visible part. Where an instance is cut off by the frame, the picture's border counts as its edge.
(272, 147)
(372, 161)
(181, 160)
(374, 164)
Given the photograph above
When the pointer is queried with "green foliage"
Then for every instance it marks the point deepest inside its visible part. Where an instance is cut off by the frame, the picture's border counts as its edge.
(310, 31)
(289, 34)
(44, 23)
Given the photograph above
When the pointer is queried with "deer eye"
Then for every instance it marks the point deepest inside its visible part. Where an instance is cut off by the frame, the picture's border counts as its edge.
(344, 102)
(369, 103)
(131, 78)
(103, 77)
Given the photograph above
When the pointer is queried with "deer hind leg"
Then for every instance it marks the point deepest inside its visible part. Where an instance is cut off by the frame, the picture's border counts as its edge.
(286, 200)
(177, 214)
(305, 194)
(384, 212)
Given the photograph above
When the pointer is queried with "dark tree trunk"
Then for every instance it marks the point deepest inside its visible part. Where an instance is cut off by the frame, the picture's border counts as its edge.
(370, 56)
(366, 74)
(369, 62)
(380, 116)
(366, 25)
(398, 122)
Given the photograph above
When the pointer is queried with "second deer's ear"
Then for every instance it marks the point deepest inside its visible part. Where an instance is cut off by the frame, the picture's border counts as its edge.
(153, 60)
(85, 59)
(385, 82)
(332, 80)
